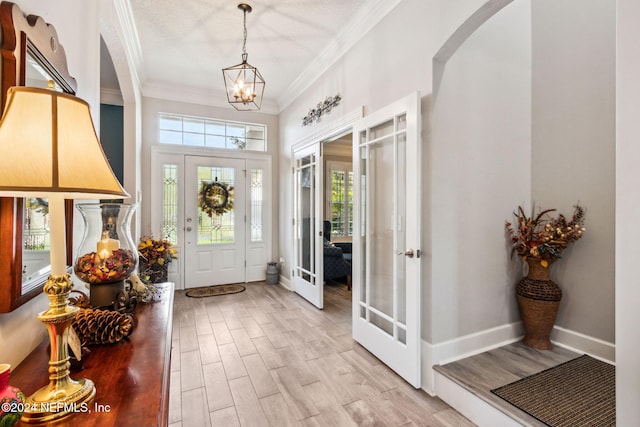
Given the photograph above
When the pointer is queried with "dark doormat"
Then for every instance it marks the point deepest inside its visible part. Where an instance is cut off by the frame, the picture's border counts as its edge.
(211, 291)
(580, 392)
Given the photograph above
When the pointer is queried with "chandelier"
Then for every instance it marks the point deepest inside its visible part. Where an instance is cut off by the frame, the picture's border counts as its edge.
(243, 82)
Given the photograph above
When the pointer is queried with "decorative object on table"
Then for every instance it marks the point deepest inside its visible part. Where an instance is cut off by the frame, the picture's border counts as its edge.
(155, 256)
(324, 107)
(215, 198)
(143, 290)
(157, 291)
(79, 299)
(244, 83)
(215, 290)
(60, 158)
(96, 326)
(539, 240)
(272, 273)
(107, 254)
(11, 399)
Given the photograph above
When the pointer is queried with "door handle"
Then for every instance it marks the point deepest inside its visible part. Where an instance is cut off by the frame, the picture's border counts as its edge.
(409, 253)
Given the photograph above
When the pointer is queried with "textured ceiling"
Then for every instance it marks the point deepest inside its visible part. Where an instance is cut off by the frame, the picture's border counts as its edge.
(184, 45)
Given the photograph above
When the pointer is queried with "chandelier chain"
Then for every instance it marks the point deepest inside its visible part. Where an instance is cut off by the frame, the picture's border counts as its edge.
(244, 41)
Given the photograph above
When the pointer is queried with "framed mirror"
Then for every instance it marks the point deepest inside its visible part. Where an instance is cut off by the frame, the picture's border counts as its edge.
(31, 56)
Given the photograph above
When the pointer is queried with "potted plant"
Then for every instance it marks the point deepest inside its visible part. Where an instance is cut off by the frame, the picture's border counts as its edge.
(155, 256)
(540, 240)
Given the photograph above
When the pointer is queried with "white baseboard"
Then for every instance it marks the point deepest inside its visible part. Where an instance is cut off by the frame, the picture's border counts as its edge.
(285, 283)
(581, 343)
(478, 342)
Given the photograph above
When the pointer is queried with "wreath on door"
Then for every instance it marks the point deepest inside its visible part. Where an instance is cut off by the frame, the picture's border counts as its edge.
(215, 198)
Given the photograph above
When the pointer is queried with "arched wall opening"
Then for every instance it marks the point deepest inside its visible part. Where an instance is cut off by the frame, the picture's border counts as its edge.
(523, 114)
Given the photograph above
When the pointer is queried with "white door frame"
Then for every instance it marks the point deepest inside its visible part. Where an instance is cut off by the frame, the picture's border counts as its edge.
(326, 132)
(172, 154)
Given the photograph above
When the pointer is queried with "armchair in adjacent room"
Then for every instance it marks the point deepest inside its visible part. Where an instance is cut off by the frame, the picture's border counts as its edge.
(336, 262)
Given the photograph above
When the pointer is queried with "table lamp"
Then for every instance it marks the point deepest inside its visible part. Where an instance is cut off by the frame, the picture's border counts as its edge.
(50, 149)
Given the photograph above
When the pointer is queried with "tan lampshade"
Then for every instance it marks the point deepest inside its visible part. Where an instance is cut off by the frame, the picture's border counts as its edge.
(48, 145)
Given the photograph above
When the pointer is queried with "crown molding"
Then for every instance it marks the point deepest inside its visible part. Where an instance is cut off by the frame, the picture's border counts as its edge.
(131, 41)
(111, 97)
(195, 95)
(361, 23)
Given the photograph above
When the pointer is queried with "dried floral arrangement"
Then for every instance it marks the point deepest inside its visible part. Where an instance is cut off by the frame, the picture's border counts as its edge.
(542, 236)
(156, 251)
(91, 268)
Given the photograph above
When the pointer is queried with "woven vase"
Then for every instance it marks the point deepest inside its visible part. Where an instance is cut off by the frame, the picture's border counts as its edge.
(539, 300)
(157, 273)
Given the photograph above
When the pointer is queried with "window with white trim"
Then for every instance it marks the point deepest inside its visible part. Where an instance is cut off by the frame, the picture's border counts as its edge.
(339, 199)
(202, 132)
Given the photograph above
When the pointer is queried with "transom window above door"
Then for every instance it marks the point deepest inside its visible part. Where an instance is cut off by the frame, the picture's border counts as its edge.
(203, 132)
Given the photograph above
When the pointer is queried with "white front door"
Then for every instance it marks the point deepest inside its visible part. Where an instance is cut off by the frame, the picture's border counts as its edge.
(171, 208)
(307, 234)
(386, 237)
(215, 247)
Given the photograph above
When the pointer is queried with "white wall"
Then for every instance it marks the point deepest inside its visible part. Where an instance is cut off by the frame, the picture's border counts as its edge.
(627, 213)
(404, 47)
(480, 162)
(573, 150)
(76, 22)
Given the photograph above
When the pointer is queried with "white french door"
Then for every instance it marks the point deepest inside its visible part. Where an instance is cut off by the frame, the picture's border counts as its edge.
(307, 214)
(386, 241)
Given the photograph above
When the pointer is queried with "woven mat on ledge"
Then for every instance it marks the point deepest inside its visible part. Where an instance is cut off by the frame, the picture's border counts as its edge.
(580, 393)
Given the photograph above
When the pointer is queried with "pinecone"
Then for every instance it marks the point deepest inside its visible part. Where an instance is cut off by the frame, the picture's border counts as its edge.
(95, 326)
(82, 300)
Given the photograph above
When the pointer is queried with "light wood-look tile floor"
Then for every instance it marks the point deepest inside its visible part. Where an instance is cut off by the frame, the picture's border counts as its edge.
(266, 357)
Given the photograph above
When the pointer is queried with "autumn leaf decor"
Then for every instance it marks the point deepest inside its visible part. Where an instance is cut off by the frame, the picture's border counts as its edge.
(156, 251)
(542, 236)
(155, 256)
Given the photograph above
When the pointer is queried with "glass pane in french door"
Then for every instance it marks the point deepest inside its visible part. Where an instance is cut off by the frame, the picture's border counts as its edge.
(381, 195)
(306, 217)
(213, 229)
(401, 235)
(383, 183)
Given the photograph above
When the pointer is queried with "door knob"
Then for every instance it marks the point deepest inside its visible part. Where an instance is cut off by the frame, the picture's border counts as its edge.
(409, 253)
(188, 228)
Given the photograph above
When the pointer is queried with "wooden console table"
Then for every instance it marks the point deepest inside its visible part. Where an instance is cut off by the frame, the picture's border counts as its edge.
(131, 377)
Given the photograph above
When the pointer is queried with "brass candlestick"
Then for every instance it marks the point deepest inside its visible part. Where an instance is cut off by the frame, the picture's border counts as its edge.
(63, 395)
